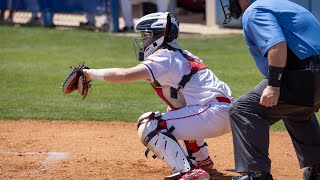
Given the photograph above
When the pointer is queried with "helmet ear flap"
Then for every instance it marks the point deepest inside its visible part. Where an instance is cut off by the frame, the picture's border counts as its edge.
(172, 37)
(168, 33)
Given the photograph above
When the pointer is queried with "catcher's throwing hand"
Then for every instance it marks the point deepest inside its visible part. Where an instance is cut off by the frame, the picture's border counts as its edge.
(77, 80)
(270, 96)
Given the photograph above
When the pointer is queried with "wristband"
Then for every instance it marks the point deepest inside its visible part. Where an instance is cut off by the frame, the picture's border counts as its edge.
(275, 76)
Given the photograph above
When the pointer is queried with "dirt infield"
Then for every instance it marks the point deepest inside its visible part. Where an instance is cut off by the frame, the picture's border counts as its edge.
(110, 150)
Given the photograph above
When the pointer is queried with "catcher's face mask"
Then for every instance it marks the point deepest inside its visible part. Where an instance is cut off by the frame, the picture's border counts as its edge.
(231, 10)
(149, 42)
(157, 29)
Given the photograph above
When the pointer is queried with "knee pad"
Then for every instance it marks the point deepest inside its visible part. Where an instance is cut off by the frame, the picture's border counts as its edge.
(147, 124)
(163, 144)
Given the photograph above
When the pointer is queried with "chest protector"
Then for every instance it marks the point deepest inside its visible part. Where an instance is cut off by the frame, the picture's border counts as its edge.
(172, 96)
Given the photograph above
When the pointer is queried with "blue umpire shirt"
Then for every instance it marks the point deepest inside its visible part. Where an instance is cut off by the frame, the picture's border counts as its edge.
(268, 22)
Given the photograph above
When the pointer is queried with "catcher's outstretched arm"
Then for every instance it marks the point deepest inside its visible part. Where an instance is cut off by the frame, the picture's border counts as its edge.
(118, 75)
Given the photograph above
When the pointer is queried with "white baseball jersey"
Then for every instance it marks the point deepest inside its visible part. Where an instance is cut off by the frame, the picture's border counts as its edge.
(168, 67)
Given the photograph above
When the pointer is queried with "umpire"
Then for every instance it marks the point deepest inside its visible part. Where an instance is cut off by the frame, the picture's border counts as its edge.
(284, 40)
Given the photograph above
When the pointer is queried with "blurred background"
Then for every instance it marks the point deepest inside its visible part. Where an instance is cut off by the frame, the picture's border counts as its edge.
(119, 15)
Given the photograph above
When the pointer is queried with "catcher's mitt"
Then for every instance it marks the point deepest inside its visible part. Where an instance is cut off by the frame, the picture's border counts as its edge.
(83, 86)
(77, 80)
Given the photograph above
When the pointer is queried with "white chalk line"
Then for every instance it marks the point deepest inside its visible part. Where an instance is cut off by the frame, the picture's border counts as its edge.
(52, 157)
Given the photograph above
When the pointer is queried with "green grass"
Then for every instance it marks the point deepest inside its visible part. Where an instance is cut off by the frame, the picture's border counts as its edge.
(35, 61)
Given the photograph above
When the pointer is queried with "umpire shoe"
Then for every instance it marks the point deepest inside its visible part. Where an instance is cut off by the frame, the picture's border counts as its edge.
(254, 176)
(312, 173)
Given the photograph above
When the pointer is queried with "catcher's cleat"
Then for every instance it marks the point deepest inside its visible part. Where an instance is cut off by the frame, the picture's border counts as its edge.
(174, 176)
(194, 174)
(312, 173)
(206, 164)
(254, 176)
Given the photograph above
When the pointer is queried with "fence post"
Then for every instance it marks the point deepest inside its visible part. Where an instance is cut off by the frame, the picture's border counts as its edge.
(211, 16)
(114, 24)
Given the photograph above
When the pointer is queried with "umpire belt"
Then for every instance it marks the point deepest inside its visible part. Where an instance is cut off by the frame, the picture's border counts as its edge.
(313, 63)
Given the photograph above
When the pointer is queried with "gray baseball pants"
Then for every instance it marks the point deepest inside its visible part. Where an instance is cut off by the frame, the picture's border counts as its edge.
(250, 123)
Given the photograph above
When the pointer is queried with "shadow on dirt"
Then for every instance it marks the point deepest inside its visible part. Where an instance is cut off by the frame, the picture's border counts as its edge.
(216, 175)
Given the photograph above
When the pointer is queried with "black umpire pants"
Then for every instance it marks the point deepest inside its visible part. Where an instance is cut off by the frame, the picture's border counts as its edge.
(250, 123)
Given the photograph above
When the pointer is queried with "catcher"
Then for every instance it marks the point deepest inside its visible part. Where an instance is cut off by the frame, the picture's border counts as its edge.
(197, 100)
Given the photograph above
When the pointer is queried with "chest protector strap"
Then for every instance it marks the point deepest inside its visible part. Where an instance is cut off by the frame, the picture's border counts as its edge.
(195, 66)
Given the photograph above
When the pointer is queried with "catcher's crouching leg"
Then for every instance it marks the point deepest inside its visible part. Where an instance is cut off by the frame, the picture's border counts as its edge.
(198, 151)
(154, 135)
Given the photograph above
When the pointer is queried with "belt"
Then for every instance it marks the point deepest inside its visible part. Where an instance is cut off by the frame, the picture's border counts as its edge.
(223, 99)
(313, 63)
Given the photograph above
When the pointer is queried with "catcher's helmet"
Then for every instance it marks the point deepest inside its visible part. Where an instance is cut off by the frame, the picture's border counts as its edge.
(157, 29)
(231, 10)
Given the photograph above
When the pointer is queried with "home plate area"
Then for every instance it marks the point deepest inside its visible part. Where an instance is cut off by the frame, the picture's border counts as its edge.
(44, 149)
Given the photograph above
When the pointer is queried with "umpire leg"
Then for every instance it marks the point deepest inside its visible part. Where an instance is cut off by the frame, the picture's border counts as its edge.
(304, 130)
(250, 133)
(250, 123)
(305, 135)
